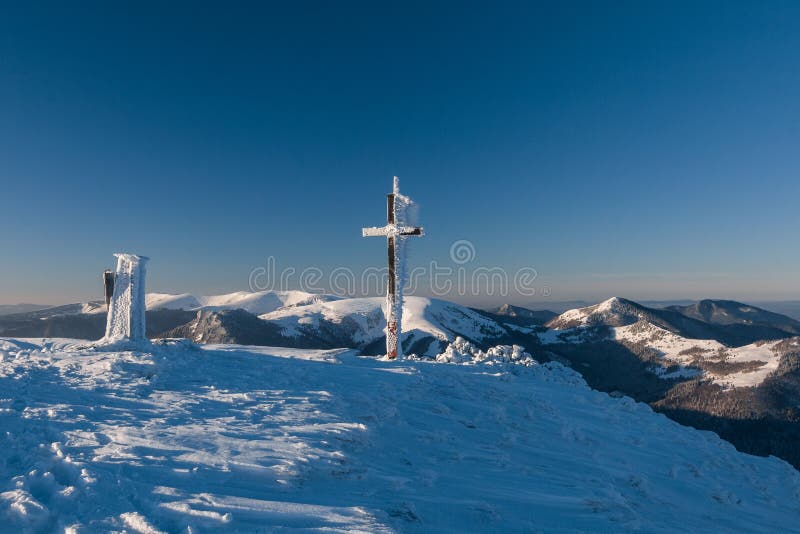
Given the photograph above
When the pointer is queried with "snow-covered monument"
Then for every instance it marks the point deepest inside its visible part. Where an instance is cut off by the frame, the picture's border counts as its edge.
(126, 320)
(399, 214)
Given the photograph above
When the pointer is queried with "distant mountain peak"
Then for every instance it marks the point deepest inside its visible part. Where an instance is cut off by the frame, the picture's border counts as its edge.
(614, 303)
(731, 312)
(616, 311)
(10, 309)
(523, 315)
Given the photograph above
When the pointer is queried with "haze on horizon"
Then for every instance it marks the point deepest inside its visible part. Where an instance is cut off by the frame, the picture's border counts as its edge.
(646, 150)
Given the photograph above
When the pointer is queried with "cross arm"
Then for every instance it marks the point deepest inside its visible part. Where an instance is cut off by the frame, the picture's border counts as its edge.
(411, 230)
(375, 231)
(391, 230)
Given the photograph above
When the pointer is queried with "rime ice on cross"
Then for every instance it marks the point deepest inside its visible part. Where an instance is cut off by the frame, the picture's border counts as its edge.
(396, 231)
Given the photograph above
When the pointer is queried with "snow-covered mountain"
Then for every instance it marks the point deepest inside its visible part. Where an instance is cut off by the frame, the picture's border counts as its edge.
(741, 380)
(612, 312)
(670, 354)
(616, 312)
(257, 303)
(747, 393)
(288, 318)
(428, 324)
(183, 438)
(238, 327)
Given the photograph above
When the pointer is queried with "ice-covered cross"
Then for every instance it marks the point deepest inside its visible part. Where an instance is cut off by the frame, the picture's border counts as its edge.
(397, 229)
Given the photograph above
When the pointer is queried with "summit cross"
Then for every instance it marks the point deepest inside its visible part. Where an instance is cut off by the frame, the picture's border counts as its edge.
(395, 231)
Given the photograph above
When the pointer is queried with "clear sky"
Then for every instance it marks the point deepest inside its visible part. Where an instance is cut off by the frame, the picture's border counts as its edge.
(641, 149)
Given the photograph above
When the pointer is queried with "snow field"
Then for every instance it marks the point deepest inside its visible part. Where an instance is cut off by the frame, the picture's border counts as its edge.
(180, 438)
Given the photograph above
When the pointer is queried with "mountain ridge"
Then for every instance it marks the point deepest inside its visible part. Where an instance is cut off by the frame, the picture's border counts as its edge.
(618, 311)
(727, 312)
(721, 377)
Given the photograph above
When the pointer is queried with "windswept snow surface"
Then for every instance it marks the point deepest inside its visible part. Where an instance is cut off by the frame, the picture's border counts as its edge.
(180, 438)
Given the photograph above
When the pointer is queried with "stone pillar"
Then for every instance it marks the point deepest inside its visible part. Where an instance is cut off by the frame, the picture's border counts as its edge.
(126, 320)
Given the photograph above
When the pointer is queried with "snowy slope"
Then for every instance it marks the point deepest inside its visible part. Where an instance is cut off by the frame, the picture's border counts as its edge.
(365, 314)
(614, 310)
(257, 303)
(746, 366)
(254, 302)
(178, 438)
(362, 320)
(628, 323)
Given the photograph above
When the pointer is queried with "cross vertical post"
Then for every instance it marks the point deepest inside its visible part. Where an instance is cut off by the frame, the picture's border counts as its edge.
(395, 231)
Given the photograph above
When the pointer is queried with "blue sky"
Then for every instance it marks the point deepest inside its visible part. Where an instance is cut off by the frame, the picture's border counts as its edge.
(642, 149)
